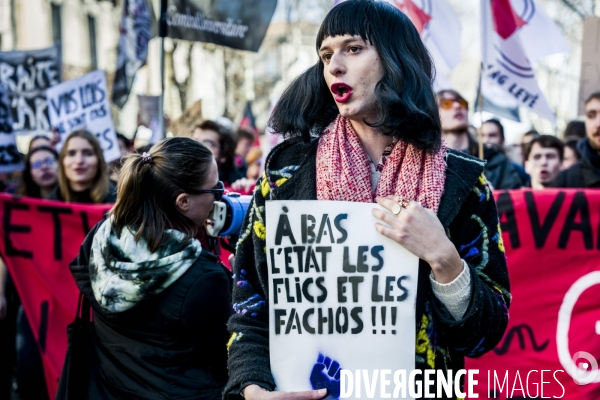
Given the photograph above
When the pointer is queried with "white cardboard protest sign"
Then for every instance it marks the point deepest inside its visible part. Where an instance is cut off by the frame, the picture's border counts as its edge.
(83, 103)
(340, 294)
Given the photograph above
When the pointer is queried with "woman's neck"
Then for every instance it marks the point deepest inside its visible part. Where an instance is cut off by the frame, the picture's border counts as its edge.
(79, 187)
(457, 141)
(45, 191)
(372, 141)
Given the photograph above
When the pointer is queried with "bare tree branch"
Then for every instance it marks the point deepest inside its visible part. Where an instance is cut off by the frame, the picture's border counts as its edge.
(573, 8)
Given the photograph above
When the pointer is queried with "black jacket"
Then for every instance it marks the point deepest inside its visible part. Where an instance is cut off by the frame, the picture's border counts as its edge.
(170, 346)
(501, 172)
(467, 211)
(583, 174)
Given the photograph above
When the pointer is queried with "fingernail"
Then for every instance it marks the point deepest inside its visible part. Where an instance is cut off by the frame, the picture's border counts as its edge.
(322, 392)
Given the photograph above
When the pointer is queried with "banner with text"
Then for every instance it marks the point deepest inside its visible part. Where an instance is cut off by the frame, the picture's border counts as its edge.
(39, 238)
(26, 75)
(238, 24)
(83, 103)
(341, 295)
(10, 158)
(552, 240)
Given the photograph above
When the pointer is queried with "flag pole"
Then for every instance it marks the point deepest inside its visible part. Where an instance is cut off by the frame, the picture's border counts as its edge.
(162, 32)
(480, 109)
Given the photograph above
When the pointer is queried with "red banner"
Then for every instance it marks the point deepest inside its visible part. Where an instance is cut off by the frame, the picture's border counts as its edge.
(39, 240)
(552, 241)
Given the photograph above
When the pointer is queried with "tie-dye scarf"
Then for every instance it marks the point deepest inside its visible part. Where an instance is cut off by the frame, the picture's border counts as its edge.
(123, 272)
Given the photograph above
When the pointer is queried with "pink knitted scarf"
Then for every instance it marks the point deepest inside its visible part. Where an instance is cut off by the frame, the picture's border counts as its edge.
(343, 171)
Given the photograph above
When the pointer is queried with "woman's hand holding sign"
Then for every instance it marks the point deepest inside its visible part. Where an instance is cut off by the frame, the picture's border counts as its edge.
(255, 392)
(419, 231)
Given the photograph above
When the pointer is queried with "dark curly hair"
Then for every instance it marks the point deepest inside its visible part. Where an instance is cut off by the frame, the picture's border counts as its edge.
(407, 105)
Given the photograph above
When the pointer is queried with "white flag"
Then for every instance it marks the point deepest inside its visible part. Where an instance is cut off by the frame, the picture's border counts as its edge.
(439, 27)
(516, 33)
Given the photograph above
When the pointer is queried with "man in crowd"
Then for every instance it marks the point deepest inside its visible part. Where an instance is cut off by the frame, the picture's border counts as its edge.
(454, 115)
(244, 141)
(543, 159)
(492, 132)
(586, 172)
(493, 136)
(220, 140)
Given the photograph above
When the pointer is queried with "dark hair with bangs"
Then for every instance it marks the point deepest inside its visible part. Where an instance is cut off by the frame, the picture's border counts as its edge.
(407, 106)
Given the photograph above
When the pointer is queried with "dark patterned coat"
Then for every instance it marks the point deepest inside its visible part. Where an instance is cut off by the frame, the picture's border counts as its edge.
(467, 212)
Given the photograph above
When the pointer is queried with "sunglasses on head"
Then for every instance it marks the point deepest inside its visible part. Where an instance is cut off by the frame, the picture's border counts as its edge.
(217, 191)
(446, 104)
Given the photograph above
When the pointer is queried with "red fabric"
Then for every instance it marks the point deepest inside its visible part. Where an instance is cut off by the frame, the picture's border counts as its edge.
(39, 240)
(418, 17)
(552, 241)
(553, 249)
(506, 20)
(343, 171)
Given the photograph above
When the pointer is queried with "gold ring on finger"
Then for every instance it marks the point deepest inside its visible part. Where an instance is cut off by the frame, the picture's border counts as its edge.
(403, 202)
(396, 209)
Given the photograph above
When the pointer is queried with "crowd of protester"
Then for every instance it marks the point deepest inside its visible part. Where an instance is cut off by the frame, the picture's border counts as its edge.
(79, 173)
(540, 160)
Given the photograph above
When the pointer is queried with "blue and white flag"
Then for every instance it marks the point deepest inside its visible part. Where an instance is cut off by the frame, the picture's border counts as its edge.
(135, 33)
(515, 34)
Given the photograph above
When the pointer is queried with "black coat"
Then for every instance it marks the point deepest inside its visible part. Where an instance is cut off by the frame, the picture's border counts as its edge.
(501, 172)
(583, 174)
(468, 213)
(169, 346)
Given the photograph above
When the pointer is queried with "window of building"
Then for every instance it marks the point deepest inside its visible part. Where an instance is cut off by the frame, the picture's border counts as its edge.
(56, 23)
(93, 47)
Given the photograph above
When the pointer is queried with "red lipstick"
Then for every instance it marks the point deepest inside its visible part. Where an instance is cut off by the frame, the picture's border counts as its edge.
(341, 92)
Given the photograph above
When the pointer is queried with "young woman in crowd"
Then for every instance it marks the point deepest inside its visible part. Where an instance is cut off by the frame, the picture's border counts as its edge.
(82, 171)
(160, 301)
(363, 125)
(40, 175)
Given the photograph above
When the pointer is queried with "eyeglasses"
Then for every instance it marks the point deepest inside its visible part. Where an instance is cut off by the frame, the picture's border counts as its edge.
(218, 191)
(446, 104)
(39, 164)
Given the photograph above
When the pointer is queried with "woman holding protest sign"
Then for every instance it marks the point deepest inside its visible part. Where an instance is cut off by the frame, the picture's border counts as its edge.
(82, 171)
(160, 301)
(363, 126)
